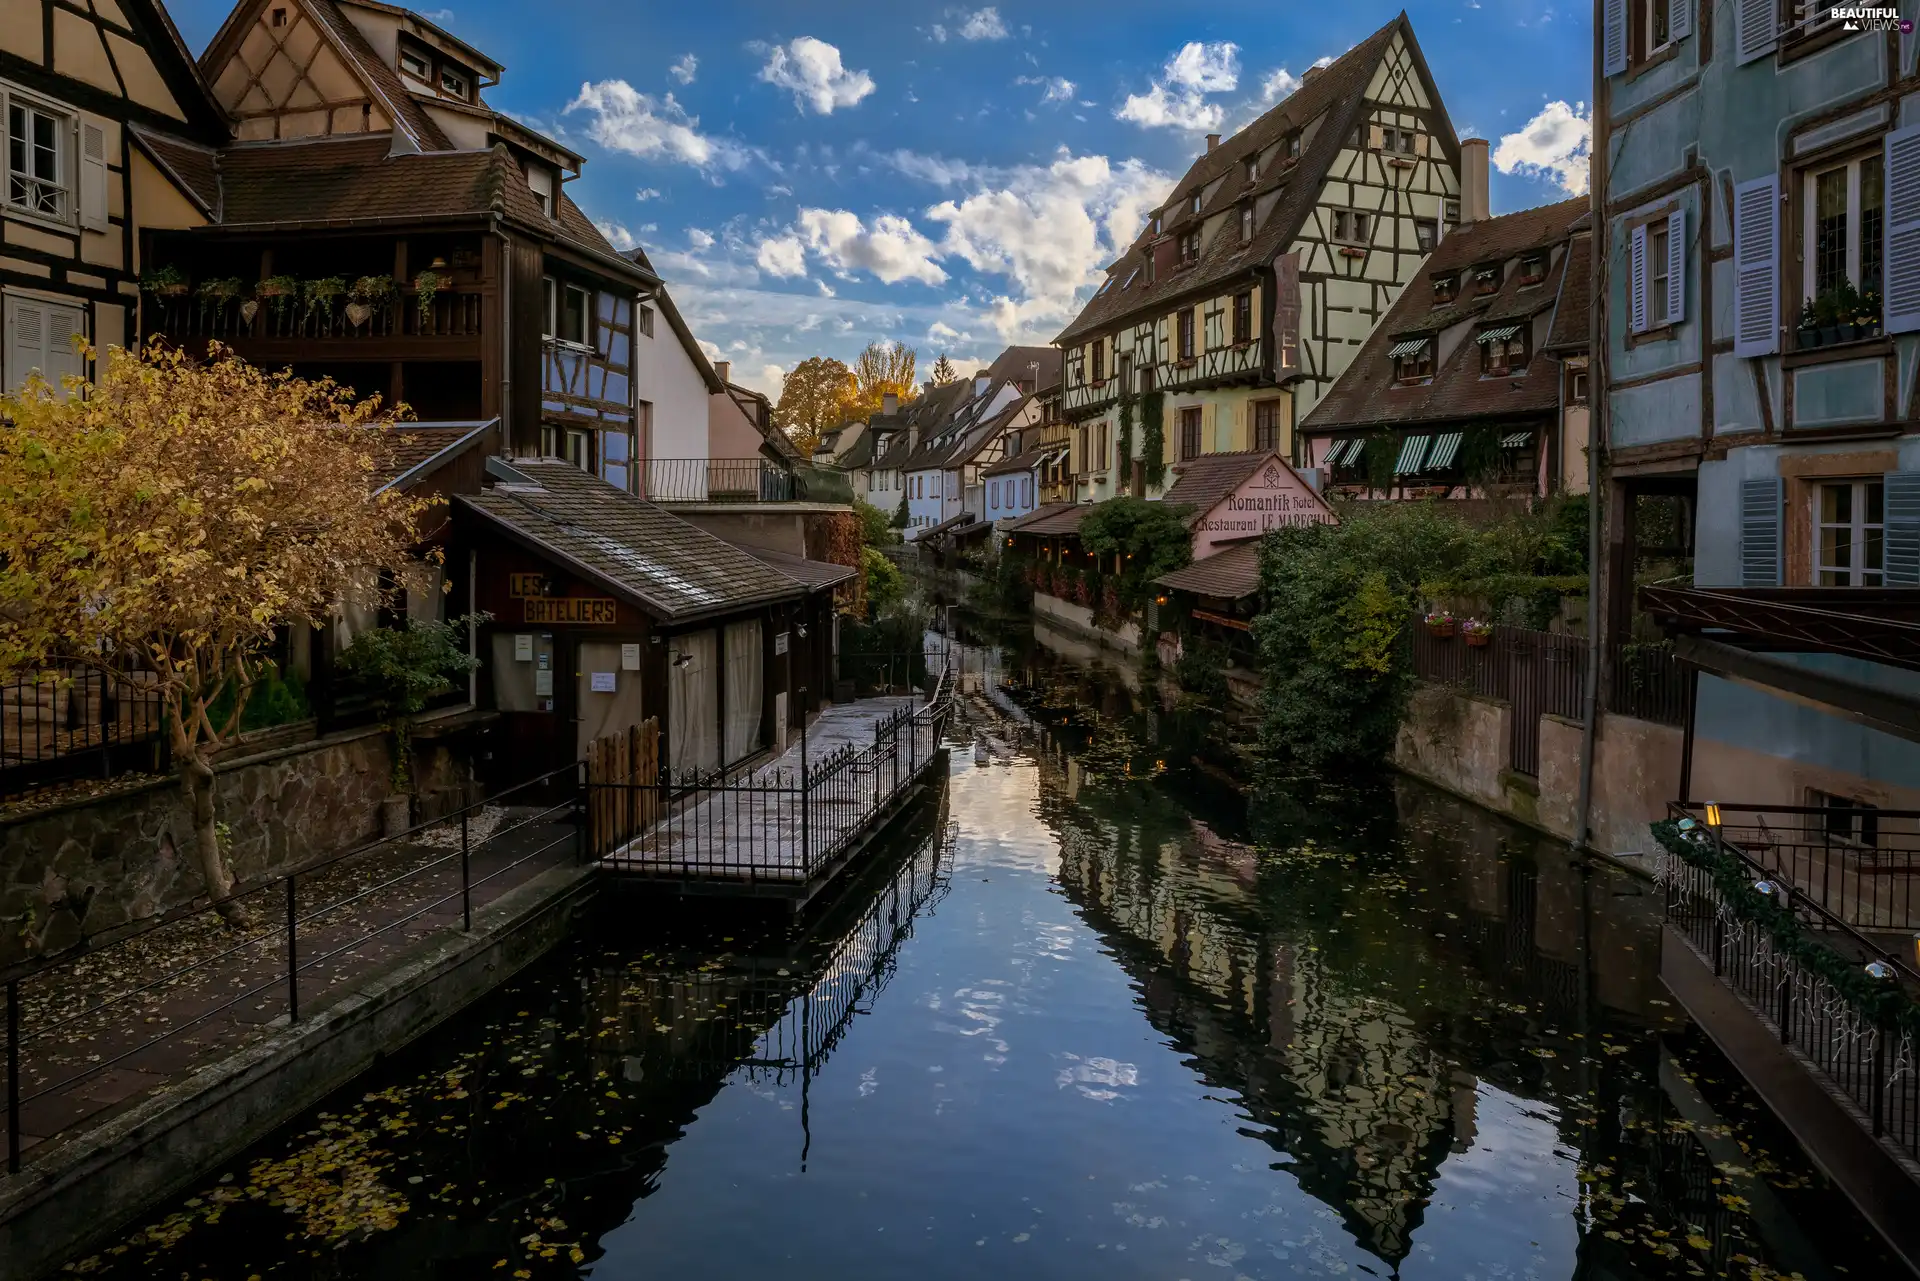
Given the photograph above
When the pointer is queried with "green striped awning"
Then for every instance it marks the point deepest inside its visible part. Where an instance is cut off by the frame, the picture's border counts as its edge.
(1445, 447)
(1345, 452)
(1499, 333)
(1412, 452)
(1407, 347)
(1516, 440)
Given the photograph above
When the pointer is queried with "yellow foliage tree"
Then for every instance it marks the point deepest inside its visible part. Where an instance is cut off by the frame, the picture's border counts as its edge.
(883, 368)
(167, 517)
(818, 394)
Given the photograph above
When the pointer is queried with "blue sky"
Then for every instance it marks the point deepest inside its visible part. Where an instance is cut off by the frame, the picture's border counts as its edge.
(810, 178)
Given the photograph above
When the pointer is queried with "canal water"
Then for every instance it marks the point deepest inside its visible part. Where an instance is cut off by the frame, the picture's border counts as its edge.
(1093, 1014)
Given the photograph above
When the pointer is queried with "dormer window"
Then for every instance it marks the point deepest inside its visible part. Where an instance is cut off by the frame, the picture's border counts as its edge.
(1131, 277)
(1412, 359)
(455, 83)
(1246, 223)
(1533, 269)
(1486, 280)
(1293, 146)
(1253, 168)
(1196, 202)
(1189, 248)
(1445, 288)
(412, 64)
(1503, 349)
(1156, 224)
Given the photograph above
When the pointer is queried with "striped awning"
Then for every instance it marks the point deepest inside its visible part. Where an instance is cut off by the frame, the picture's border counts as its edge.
(1499, 333)
(1345, 453)
(1412, 453)
(1516, 440)
(1446, 446)
(1408, 347)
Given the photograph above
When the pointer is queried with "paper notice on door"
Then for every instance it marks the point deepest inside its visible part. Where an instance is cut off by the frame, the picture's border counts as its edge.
(523, 649)
(543, 684)
(603, 682)
(630, 658)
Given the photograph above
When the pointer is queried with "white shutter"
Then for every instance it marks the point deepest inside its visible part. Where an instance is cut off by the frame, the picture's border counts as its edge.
(1637, 280)
(1759, 27)
(1901, 555)
(26, 350)
(1756, 266)
(1902, 293)
(1614, 17)
(1680, 19)
(1676, 267)
(1760, 532)
(93, 176)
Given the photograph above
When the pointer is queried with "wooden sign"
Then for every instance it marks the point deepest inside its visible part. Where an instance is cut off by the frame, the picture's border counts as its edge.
(586, 611)
(521, 586)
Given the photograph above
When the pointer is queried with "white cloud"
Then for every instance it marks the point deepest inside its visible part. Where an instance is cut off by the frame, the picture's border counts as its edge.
(699, 239)
(782, 256)
(888, 247)
(1279, 84)
(938, 32)
(624, 119)
(1053, 88)
(1554, 145)
(617, 235)
(768, 381)
(811, 70)
(984, 24)
(810, 323)
(938, 170)
(647, 193)
(439, 17)
(1178, 100)
(684, 69)
(946, 336)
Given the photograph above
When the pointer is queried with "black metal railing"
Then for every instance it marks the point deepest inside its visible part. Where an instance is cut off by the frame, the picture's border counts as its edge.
(1867, 1061)
(1858, 864)
(77, 723)
(1649, 683)
(779, 824)
(740, 480)
(198, 983)
(448, 313)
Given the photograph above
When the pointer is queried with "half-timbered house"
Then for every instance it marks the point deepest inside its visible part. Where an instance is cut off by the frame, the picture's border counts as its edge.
(84, 89)
(1255, 284)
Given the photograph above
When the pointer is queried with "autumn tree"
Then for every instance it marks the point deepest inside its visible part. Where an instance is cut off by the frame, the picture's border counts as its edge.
(159, 524)
(882, 368)
(818, 395)
(944, 372)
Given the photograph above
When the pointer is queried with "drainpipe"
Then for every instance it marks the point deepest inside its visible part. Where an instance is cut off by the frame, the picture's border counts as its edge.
(1599, 259)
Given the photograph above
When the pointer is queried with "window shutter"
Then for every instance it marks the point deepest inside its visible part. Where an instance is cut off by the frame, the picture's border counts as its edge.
(93, 176)
(26, 326)
(1756, 266)
(1679, 20)
(1676, 267)
(1760, 532)
(64, 324)
(1759, 27)
(1902, 293)
(1901, 555)
(1615, 19)
(1637, 280)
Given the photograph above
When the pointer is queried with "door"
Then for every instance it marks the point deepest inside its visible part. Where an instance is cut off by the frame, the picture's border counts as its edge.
(606, 691)
(525, 672)
(744, 690)
(693, 703)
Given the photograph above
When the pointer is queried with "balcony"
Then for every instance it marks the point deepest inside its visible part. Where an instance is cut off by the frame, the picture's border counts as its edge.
(1090, 395)
(1237, 363)
(288, 329)
(727, 481)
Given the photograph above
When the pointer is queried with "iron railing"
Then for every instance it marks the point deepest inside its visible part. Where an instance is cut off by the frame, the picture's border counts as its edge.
(778, 825)
(740, 480)
(107, 1021)
(77, 722)
(1649, 683)
(1858, 864)
(449, 313)
(1868, 1063)
(1538, 673)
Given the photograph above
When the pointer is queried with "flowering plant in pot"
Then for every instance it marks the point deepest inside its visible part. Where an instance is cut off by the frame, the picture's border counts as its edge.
(427, 284)
(164, 282)
(1477, 632)
(1440, 623)
(368, 294)
(281, 292)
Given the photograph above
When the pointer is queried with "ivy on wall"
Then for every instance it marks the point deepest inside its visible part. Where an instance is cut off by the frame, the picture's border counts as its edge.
(1153, 441)
(1125, 455)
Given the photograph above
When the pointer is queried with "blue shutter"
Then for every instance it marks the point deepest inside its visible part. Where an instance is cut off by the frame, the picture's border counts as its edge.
(1902, 292)
(1614, 18)
(1756, 266)
(1676, 299)
(1680, 19)
(1759, 28)
(1637, 280)
(1760, 502)
(1901, 554)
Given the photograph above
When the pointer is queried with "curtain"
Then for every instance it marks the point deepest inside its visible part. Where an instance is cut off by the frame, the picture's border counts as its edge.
(744, 670)
(693, 703)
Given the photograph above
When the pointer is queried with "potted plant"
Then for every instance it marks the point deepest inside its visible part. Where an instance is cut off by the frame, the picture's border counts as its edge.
(216, 294)
(1440, 623)
(367, 294)
(427, 284)
(1807, 335)
(164, 282)
(1866, 314)
(1827, 314)
(320, 295)
(1846, 309)
(1478, 634)
(280, 291)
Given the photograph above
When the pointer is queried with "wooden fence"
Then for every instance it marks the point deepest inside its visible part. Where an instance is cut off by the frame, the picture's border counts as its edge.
(630, 760)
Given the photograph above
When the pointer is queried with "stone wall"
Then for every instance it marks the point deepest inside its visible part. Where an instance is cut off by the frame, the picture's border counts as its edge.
(77, 869)
(1079, 618)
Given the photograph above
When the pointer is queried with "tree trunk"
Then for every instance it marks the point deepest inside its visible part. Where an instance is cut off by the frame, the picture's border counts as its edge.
(196, 781)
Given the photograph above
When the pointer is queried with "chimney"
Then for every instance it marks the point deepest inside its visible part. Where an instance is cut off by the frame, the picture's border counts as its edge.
(724, 367)
(889, 402)
(1473, 180)
(980, 384)
(1213, 140)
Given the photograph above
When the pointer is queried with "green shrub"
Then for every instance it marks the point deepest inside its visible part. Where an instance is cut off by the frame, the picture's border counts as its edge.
(876, 528)
(886, 585)
(400, 669)
(1149, 538)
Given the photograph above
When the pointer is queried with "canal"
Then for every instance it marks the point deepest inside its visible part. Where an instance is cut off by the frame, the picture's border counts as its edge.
(1094, 1013)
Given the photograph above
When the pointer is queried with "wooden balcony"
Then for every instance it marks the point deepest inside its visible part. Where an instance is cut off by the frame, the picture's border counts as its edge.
(1239, 363)
(449, 327)
(1088, 397)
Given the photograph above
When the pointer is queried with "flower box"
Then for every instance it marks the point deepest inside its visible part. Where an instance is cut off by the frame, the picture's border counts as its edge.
(1440, 626)
(1479, 640)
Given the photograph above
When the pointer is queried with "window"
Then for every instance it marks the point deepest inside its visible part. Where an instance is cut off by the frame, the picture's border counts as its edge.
(1131, 277)
(1844, 819)
(1190, 433)
(1100, 360)
(1253, 168)
(1266, 424)
(1533, 269)
(1103, 439)
(567, 311)
(1190, 247)
(36, 159)
(1656, 28)
(1196, 202)
(1451, 212)
(1246, 223)
(644, 319)
(1504, 355)
(1804, 17)
(1398, 141)
(579, 452)
(1426, 233)
(1293, 146)
(1445, 287)
(1659, 273)
(1845, 226)
(1411, 363)
(1851, 518)
(993, 493)
(1243, 317)
(414, 65)
(616, 457)
(454, 82)
(1184, 324)
(1486, 280)
(39, 337)
(1577, 387)
(279, 17)
(1352, 226)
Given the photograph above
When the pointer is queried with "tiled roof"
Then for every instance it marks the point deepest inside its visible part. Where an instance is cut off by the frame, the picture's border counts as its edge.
(1338, 92)
(1229, 574)
(410, 452)
(950, 525)
(1026, 461)
(1051, 518)
(194, 169)
(1015, 364)
(814, 574)
(1368, 394)
(672, 569)
(1571, 322)
(1205, 481)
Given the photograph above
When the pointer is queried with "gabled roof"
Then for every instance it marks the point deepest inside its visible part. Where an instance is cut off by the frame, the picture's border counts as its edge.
(1336, 92)
(1229, 574)
(153, 28)
(1205, 481)
(1016, 364)
(1051, 518)
(1027, 460)
(192, 168)
(674, 570)
(1368, 394)
(410, 452)
(812, 574)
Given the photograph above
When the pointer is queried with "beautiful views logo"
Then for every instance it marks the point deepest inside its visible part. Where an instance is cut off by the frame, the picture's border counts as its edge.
(1857, 18)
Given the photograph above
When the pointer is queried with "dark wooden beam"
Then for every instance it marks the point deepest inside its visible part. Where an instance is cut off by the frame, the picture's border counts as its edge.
(1888, 710)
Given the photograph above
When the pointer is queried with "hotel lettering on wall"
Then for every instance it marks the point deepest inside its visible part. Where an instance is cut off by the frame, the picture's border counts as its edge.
(570, 611)
(1272, 499)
